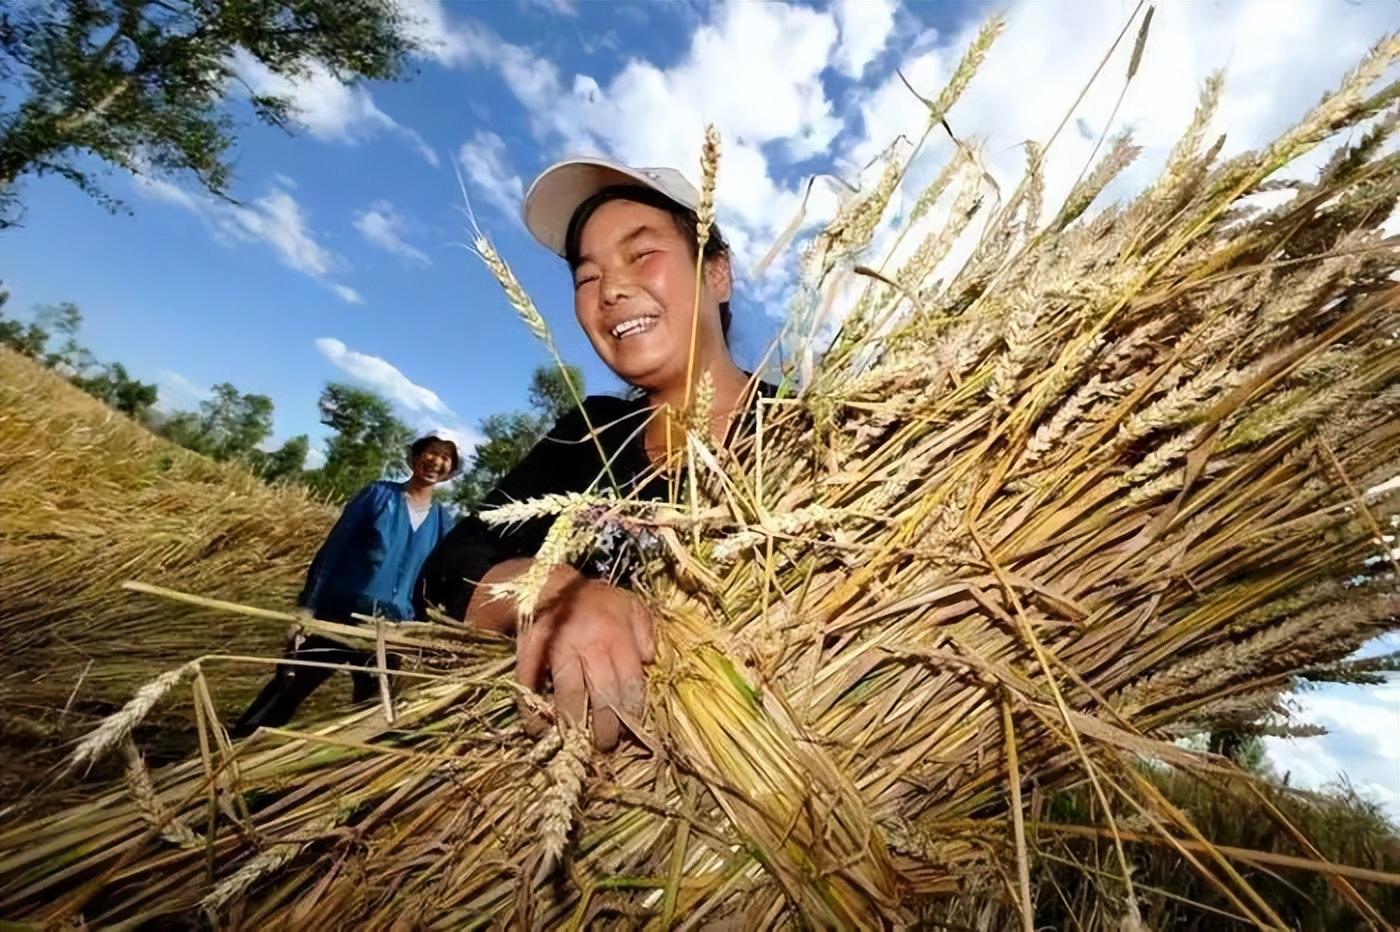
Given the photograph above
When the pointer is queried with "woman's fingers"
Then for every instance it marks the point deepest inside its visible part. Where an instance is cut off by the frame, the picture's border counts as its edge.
(531, 652)
(604, 693)
(570, 688)
(594, 649)
(640, 621)
(631, 681)
(607, 729)
(533, 722)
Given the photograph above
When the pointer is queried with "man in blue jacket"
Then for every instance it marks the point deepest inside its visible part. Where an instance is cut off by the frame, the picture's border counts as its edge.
(367, 566)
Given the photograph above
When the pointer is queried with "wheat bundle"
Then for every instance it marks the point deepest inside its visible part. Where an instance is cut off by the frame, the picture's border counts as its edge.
(91, 499)
(1015, 528)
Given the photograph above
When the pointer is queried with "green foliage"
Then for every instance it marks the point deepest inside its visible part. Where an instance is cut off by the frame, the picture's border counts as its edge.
(64, 320)
(109, 382)
(181, 428)
(235, 423)
(368, 443)
(114, 386)
(143, 84)
(550, 391)
(507, 437)
(28, 340)
(285, 464)
(229, 426)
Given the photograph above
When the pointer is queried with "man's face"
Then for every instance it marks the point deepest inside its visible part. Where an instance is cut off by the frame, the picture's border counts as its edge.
(434, 462)
(634, 295)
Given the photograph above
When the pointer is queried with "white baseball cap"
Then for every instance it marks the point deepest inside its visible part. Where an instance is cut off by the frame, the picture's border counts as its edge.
(561, 188)
(446, 436)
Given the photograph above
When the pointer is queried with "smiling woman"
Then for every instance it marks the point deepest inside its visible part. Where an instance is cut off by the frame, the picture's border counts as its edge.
(631, 238)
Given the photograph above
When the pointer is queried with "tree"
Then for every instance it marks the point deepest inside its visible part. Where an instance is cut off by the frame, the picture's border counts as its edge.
(143, 84)
(368, 442)
(233, 424)
(29, 339)
(506, 438)
(229, 426)
(114, 386)
(64, 320)
(550, 391)
(111, 383)
(285, 464)
(182, 428)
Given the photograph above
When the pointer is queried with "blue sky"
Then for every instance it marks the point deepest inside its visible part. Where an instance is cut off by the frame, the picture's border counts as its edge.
(189, 292)
(342, 260)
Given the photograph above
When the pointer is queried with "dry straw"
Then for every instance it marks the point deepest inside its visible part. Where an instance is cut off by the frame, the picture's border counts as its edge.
(116, 729)
(1109, 506)
(91, 499)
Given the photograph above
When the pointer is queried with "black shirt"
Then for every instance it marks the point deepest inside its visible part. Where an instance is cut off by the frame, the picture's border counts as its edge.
(567, 460)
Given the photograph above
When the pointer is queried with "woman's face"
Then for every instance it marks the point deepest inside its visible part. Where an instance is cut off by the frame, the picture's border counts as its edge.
(634, 295)
(434, 462)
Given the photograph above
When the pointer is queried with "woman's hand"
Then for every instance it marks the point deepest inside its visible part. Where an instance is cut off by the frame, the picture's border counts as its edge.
(592, 639)
(589, 637)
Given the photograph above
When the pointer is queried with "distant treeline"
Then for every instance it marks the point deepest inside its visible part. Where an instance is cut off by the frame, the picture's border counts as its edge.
(367, 442)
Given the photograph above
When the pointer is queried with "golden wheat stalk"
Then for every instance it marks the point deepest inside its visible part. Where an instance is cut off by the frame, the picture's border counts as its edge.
(1116, 476)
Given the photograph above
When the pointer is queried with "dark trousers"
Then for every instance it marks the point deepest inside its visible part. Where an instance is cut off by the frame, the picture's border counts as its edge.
(293, 683)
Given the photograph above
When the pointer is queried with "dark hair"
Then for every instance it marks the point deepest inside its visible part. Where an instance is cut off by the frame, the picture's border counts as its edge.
(421, 444)
(685, 219)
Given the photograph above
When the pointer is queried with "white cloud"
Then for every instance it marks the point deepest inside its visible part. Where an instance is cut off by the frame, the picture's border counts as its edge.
(430, 414)
(488, 168)
(1362, 725)
(421, 146)
(177, 393)
(439, 37)
(865, 29)
(158, 189)
(755, 72)
(315, 457)
(326, 107)
(382, 225)
(383, 377)
(758, 70)
(556, 7)
(276, 219)
(1274, 71)
(346, 293)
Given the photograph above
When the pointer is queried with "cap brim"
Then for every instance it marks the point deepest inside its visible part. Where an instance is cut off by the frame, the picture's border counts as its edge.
(457, 457)
(556, 194)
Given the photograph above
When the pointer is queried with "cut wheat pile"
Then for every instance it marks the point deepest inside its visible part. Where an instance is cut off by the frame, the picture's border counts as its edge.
(1014, 530)
(91, 499)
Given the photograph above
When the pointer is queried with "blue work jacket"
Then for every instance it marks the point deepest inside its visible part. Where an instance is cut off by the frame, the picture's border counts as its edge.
(372, 558)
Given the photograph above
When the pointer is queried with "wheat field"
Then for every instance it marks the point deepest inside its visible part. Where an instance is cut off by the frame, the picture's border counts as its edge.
(1122, 475)
(92, 499)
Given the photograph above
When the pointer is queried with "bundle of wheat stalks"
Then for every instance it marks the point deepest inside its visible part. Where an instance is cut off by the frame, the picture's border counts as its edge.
(91, 499)
(1015, 528)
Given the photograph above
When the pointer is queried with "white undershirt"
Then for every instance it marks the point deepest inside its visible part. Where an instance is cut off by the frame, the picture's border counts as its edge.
(416, 516)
